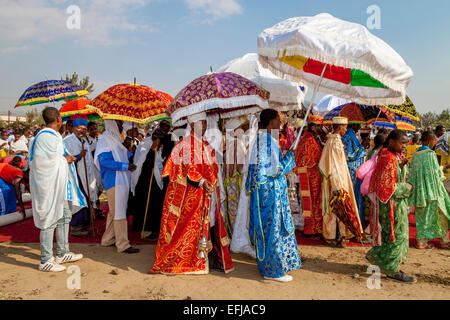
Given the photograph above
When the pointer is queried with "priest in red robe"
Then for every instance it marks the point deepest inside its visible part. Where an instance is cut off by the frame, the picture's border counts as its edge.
(307, 159)
(192, 209)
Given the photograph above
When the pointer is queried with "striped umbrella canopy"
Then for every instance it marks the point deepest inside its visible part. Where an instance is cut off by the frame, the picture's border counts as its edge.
(50, 91)
(227, 93)
(402, 123)
(77, 107)
(358, 114)
(131, 102)
(405, 110)
(343, 57)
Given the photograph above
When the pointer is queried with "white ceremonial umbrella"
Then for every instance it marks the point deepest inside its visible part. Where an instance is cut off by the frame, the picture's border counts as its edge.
(340, 57)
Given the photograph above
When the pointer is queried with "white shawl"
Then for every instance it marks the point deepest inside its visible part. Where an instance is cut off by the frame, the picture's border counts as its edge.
(111, 141)
(139, 158)
(20, 145)
(73, 145)
(52, 180)
(240, 242)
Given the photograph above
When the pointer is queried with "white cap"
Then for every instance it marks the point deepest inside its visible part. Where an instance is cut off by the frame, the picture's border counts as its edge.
(340, 120)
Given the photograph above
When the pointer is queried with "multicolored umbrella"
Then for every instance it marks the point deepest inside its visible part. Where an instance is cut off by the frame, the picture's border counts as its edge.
(405, 110)
(49, 91)
(344, 57)
(358, 114)
(284, 95)
(77, 107)
(227, 93)
(131, 102)
(402, 123)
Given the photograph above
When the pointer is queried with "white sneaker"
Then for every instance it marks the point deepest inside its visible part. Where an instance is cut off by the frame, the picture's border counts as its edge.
(69, 257)
(285, 278)
(51, 266)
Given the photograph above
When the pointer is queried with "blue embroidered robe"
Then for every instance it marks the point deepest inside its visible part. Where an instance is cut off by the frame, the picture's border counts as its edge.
(271, 227)
(355, 153)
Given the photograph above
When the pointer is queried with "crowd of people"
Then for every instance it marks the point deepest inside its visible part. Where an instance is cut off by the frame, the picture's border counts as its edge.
(212, 187)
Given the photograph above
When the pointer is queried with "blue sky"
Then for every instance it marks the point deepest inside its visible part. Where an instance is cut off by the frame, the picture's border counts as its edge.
(167, 43)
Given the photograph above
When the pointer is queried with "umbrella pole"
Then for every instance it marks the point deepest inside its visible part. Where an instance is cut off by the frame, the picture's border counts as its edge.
(91, 210)
(378, 115)
(316, 88)
(148, 199)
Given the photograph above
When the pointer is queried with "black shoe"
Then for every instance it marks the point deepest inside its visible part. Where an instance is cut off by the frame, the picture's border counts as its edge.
(78, 232)
(131, 250)
(99, 214)
(216, 266)
(403, 277)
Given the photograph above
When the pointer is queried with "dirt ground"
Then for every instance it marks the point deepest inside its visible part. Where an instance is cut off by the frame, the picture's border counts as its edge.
(328, 273)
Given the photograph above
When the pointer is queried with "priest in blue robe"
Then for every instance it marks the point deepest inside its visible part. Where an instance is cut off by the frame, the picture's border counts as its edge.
(271, 228)
(355, 153)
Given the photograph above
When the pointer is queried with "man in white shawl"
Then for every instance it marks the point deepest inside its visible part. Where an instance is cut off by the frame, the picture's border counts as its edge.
(111, 158)
(78, 146)
(55, 194)
(147, 202)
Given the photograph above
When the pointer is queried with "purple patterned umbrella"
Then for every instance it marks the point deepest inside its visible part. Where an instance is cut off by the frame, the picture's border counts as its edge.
(227, 93)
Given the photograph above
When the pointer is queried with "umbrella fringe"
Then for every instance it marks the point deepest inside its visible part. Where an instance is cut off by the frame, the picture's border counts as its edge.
(161, 116)
(338, 61)
(216, 103)
(285, 73)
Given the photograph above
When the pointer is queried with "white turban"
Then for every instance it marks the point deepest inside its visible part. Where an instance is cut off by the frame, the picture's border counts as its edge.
(127, 125)
(196, 117)
(234, 123)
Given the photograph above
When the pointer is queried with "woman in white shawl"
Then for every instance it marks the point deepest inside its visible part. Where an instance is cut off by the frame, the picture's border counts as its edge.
(240, 242)
(111, 158)
(55, 193)
(20, 144)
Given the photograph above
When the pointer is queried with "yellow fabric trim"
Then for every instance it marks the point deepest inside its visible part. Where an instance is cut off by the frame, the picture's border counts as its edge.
(106, 116)
(54, 98)
(405, 114)
(296, 61)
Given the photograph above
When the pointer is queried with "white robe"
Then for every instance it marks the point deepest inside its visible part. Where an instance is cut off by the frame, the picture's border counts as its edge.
(140, 156)
(240, 242)
(20, 145)
(6, 147)
(52, 180)
(111, 141)
(92, 143)
(73, 145)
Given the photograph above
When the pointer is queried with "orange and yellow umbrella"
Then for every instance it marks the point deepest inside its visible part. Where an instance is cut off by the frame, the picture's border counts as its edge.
(131, 102)
(77, 107)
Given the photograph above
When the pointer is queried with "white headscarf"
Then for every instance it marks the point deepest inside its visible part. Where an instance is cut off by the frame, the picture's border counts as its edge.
(111, 141)
(127, 125)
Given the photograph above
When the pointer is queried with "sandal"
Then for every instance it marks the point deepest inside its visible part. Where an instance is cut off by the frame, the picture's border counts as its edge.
(330, 243)
(342, 243)
(429, 246)
(402, 277)
(444, 246)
